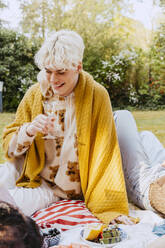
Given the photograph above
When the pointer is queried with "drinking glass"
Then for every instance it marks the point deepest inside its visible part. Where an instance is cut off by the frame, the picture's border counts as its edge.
(49, 110)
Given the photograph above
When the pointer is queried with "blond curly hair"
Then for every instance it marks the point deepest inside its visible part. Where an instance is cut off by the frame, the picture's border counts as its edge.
(62, 50)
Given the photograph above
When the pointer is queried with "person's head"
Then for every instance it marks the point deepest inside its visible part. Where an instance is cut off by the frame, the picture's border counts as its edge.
(60, 57)
(16, 230)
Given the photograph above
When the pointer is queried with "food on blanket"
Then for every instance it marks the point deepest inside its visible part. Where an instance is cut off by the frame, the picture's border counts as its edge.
(52, 232)
(111, 232)
(51, 237)
(91, 232)
(109, 235)
(134, 220)
(123, 219)
(111, 240)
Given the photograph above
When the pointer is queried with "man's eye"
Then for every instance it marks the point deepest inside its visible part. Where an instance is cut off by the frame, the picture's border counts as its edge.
(61, 73)
(49, 72)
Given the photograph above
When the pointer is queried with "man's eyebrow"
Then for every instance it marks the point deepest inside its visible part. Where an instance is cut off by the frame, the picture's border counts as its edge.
(60, 70)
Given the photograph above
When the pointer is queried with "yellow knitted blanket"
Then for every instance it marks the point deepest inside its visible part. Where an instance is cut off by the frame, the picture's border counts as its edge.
(101, 174)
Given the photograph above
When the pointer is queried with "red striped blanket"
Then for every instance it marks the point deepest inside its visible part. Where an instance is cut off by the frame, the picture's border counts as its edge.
(64, 215)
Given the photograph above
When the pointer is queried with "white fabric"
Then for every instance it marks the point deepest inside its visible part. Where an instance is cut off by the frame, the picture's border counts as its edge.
(27, 199)
(158, 243)
(30, 200)
(139, 235)
(8, 175)
(6, 197)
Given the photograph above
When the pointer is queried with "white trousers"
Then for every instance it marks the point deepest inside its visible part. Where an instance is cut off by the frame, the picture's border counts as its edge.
(142, 156)
(28, 200)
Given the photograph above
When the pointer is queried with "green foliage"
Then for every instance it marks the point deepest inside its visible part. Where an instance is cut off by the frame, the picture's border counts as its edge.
(17, 69)
(123, 76)
(41, 16)
(2, 6)
(112, 75)
(154, 90)
(116, 54)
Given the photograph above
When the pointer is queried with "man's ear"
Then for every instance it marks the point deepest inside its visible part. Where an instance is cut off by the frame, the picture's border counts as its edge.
(79, 67)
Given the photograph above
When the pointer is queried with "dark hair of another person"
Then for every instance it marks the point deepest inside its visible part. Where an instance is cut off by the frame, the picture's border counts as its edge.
(17, 230)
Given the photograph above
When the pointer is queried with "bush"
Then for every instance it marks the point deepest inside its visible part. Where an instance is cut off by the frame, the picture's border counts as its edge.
(115, 76)
(17, 69)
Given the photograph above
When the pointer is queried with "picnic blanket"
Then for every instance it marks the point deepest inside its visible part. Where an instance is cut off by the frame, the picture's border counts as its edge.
(71, 216)
(139, 235)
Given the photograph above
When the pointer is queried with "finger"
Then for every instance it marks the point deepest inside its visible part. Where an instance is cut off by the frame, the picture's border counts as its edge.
(45, 130)
(42, 130)
(38, 124)
(113, 222)
(40, 118)
(41, 123)
(126, 220)
(130, 221)
(37, 127)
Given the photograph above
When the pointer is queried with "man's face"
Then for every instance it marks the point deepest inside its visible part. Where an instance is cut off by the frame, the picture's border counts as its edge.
(62, 81)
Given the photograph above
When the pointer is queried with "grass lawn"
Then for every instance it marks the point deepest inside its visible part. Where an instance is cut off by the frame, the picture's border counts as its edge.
(5, 119)
(153, 121)
(146, 120)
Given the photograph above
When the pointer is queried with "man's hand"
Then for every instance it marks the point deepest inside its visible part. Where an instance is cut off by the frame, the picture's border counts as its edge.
(39, 124)
(122, 219)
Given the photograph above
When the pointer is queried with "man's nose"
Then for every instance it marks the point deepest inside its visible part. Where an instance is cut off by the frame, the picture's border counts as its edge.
(53, 78)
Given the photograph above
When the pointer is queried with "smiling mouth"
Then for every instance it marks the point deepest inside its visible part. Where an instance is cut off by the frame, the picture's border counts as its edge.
(57, 86)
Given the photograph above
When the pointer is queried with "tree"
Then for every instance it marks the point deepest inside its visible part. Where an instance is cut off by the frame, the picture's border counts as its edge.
(36, 21)
(17, 69)
(107, 34)
(2, 6)
(91, 19)
(157, 82)
(39, 15)
(162, 3)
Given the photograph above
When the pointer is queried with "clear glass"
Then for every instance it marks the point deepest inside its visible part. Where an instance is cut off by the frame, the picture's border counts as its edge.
(49, 110)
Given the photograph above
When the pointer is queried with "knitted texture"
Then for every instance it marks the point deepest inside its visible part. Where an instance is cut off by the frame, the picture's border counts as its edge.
(101, 174)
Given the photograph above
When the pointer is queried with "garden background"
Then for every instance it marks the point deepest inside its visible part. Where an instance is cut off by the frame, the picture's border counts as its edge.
(121, 53)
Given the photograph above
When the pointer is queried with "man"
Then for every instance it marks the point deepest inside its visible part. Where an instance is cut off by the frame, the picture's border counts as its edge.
(64, 135)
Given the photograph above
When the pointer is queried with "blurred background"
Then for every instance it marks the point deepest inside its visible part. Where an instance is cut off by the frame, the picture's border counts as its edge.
(124, 40)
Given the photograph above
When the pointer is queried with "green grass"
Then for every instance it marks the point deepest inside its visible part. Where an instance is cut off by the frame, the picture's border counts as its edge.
(5, 119)
(146, 120)
(153, 121)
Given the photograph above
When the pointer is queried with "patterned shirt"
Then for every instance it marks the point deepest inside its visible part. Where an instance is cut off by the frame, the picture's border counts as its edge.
(61, 169)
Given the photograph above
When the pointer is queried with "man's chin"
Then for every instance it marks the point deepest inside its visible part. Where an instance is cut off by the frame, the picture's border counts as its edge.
(58, 92)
